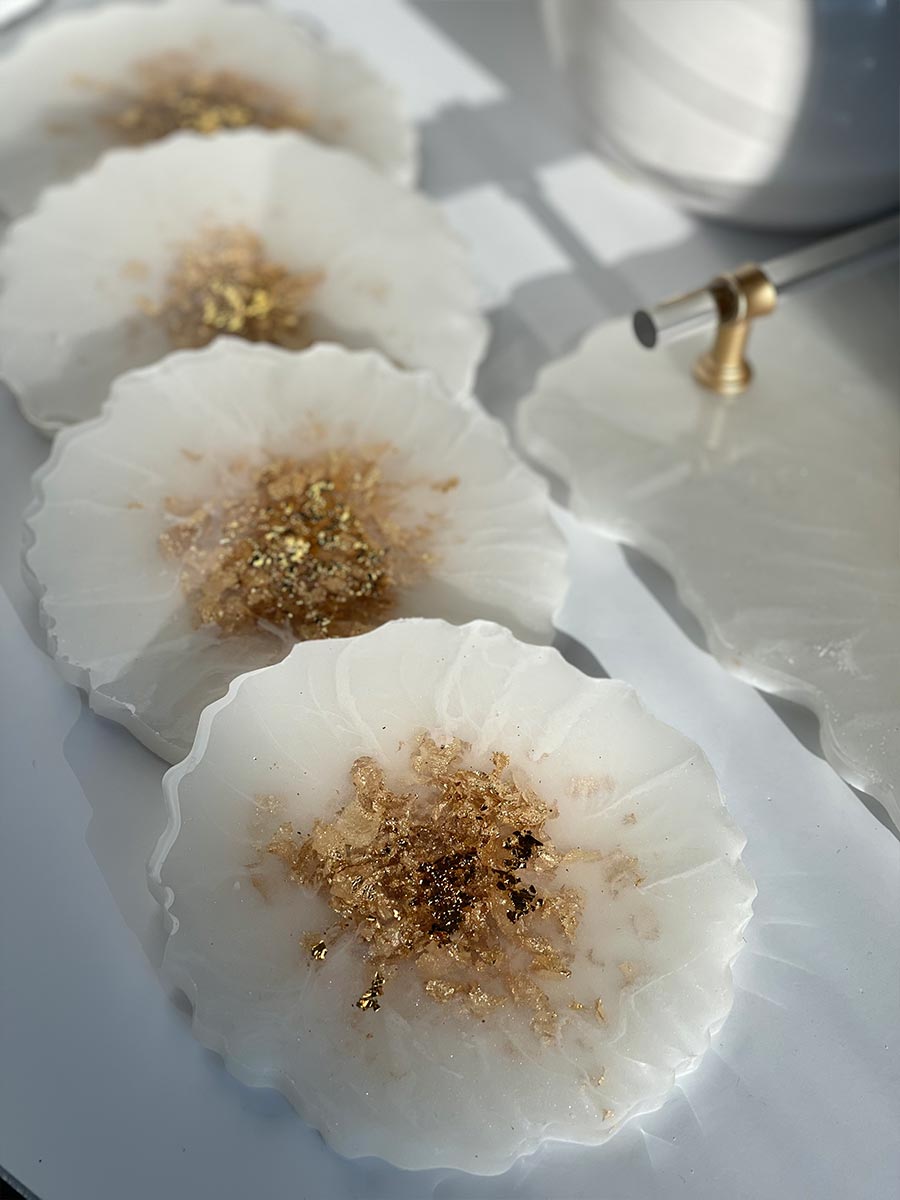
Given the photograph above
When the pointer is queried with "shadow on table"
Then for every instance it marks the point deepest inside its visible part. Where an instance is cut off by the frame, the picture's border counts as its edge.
(578, 655)
(122, 783)
(121, 780)
(801, 721)
(20, 456)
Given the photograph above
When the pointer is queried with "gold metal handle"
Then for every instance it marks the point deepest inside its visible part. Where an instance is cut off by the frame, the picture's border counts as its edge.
(733, 301)
(740, 297)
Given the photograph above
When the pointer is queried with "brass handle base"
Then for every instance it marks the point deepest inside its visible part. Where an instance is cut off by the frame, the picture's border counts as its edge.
(740, 297)
(726, 379)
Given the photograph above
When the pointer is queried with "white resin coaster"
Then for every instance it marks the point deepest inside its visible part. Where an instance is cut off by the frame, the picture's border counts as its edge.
(234, 500)
(270, 236)
(122, 74)
(777, 514)
(449, 895)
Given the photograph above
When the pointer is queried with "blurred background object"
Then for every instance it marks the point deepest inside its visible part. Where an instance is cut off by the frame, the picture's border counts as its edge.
(12, 10)
(779, 114)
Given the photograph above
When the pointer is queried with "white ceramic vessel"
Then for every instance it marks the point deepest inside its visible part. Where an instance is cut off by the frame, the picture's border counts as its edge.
(773, 113)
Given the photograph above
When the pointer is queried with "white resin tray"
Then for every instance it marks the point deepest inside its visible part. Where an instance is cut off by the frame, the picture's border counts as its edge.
(777, 514)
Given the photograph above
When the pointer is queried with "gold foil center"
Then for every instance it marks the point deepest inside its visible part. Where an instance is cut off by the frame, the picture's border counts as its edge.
(310, 548)
(173, 92)
(222, 282)
(455, 876)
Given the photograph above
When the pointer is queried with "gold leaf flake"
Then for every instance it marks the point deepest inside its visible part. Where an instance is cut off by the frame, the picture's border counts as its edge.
(310, 548)
(369, 999)
(222, 282)
(621, 870)
(135, 268)
(471, 911)
(446, 485)
(173, 91)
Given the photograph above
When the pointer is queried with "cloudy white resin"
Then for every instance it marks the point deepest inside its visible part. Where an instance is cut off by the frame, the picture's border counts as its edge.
(115, 612)
(79, 276)
(432, 1085)
(56, 85)
(776, 515)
